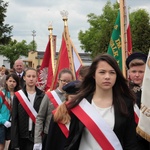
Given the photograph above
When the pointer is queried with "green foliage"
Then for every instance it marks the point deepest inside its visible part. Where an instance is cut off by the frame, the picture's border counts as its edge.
(33, 45)
(140, 29)
(14, 50)
(96, 39)
(5, 29)
(9, 48)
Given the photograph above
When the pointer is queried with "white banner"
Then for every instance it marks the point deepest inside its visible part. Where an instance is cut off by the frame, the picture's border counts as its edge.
(143, 128)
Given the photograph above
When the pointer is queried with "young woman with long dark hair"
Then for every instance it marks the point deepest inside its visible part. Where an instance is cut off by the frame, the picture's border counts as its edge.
(101, 115)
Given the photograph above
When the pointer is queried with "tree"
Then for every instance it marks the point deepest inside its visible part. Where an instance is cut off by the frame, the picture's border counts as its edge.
(33, 45)
(5, 29)
(14, 50)
(97, 37)
(140, 29)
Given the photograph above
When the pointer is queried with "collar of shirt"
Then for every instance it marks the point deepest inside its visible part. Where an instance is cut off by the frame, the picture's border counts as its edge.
(19, 74)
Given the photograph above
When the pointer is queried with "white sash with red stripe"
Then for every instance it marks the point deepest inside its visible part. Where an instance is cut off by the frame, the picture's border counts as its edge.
(54, 98)
(136, 113)
(97, 126)
(26, 105)
(4, 100)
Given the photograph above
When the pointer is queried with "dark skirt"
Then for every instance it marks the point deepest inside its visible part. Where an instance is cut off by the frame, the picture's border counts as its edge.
(2, 134)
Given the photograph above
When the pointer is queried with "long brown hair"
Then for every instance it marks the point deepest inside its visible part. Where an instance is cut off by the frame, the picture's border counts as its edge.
(88, 86)
(120, 88)
(16, 78)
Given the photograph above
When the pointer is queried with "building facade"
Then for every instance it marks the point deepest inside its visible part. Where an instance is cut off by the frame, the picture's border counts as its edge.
(36, 57)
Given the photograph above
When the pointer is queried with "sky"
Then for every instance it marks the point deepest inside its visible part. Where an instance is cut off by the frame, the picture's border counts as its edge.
(27, 16)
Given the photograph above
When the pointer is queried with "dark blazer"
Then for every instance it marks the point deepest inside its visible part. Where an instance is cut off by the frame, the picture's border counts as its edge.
(124, 128)
(55, 139)
(137, 91)
(142, 143)
(21, 81)
(20, 119)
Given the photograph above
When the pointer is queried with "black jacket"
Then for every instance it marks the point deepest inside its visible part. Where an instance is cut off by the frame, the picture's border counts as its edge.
(137, 91)
(142, 143)
(124, 128)
(21, 80)
(55, 139)
(20, 119)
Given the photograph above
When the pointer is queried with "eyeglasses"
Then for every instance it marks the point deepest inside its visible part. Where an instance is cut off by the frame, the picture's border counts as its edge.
(64, 81)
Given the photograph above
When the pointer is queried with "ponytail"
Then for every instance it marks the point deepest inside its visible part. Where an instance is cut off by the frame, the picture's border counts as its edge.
(61, 114)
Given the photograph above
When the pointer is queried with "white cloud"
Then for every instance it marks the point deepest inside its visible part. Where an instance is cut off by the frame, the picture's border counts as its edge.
(29, 15)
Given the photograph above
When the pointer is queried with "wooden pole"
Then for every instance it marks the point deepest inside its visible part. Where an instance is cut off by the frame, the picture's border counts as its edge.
(122, 18)
(68, 42)
(50, 28)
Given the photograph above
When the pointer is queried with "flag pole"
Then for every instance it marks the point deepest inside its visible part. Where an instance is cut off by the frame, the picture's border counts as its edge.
(67, 38)
(125, 29)
(122, 18)
(76, 52)
(50, 28)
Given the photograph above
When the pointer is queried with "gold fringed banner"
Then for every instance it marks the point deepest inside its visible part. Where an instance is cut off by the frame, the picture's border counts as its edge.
(143, 134)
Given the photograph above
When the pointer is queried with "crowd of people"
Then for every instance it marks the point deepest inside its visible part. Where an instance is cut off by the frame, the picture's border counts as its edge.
(96, 111)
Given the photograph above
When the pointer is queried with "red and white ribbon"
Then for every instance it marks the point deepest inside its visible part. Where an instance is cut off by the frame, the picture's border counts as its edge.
(97, 126)
(136, 113)
(54, 98)
(5, 101)
(26, 105)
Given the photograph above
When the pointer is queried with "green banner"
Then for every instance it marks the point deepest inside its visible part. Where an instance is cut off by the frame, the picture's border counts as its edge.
(114, 47)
